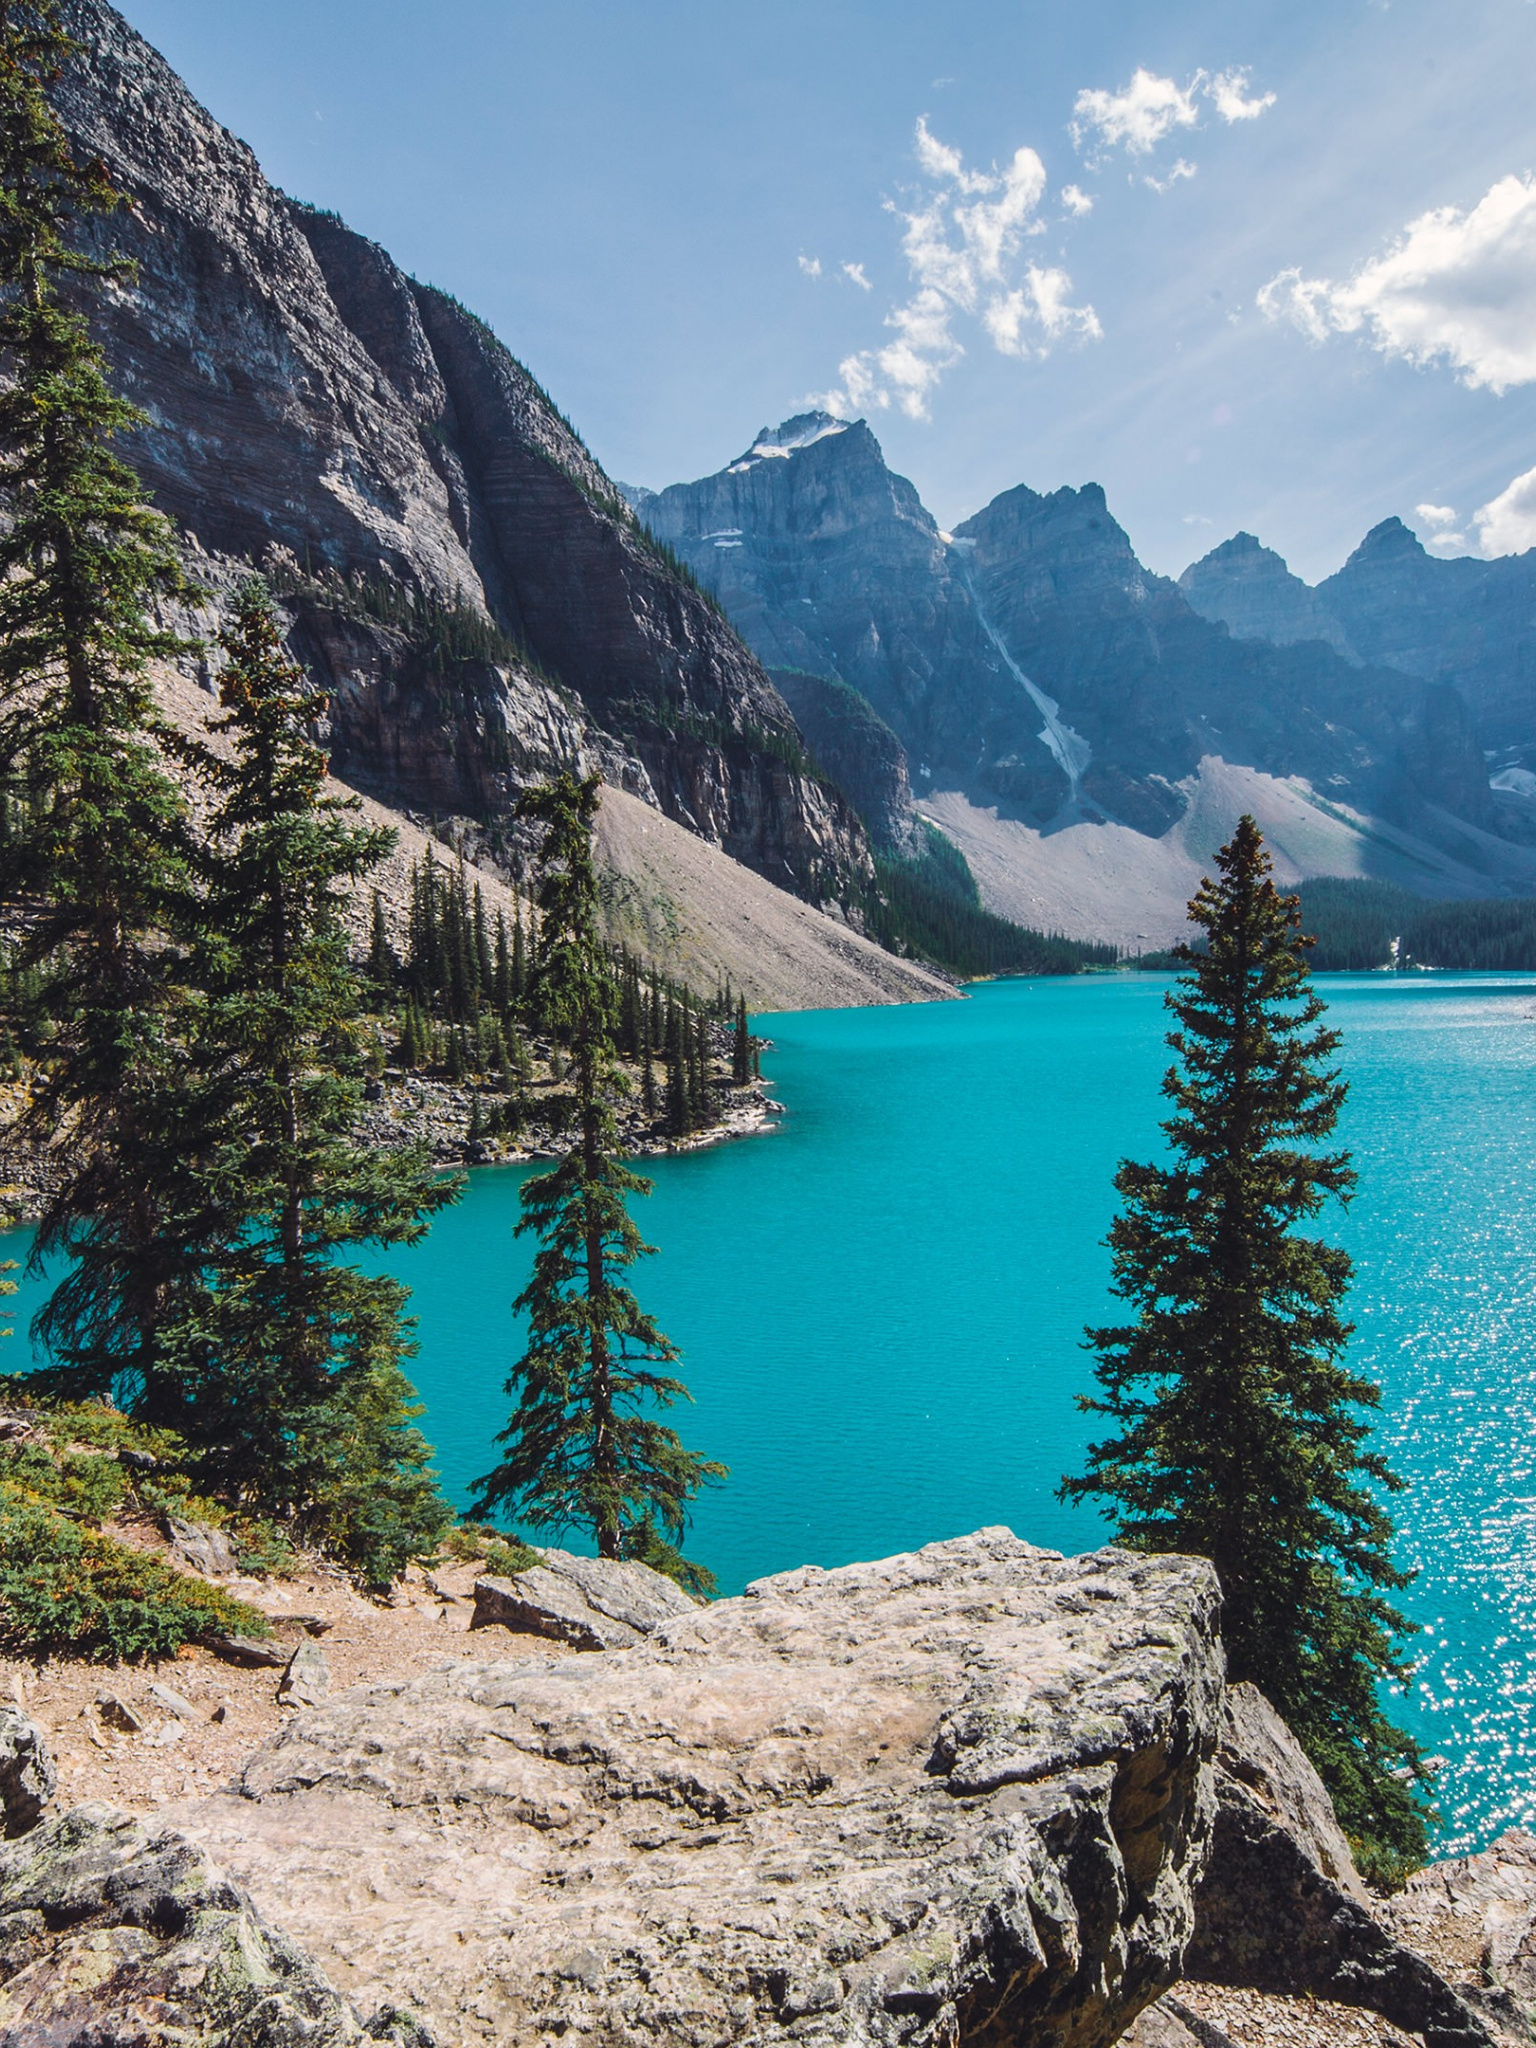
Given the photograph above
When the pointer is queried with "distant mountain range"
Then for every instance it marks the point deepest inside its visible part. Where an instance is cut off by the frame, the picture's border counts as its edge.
(1085, 730)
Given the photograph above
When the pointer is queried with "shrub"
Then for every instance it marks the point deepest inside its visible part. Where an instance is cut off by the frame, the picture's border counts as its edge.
(68, 1590)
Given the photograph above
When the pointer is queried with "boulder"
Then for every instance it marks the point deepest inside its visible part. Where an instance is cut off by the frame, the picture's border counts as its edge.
(1281, 1908)
(248, 1650)
(307, 1680)
(115, 1933)
(205, 1549)
(28, 1779)
(592, 1603)
(958, 1796)
(1475, 1918)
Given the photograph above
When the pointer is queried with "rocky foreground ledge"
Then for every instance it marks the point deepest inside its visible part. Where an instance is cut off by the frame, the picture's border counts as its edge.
(982, 1794)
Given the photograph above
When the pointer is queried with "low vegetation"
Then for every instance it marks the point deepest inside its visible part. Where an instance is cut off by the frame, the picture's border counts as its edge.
(75, 1489)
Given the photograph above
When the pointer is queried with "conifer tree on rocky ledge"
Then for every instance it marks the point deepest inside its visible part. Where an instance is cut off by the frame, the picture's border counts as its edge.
(581, 1449)
(93, 874)
(294, 1397)
(1241, 1436)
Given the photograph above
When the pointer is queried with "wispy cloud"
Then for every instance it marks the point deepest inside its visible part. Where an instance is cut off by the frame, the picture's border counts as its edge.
(1457, 288)
(1179, 168)
(962, 239)
(811, 265)
(1151, 108)
(854, 272)
(1075, 199)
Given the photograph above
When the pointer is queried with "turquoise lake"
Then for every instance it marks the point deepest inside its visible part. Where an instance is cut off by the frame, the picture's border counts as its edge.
(881, 1304)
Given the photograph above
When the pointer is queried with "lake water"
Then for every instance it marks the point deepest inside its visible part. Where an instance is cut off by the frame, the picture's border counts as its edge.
(881, 1304)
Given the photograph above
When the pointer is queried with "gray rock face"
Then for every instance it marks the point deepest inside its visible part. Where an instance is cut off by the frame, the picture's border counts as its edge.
(1281, 1908)
(114, 1933)
(961, 1796)
(1248, 588)
(1479, 1914)
(591, 1603)
(28, 1779)
(205, 1549)
(311, 406)
(307, 1680)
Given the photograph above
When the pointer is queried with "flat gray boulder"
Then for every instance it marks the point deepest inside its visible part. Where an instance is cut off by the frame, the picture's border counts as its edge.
(958, 1796)
(591, 1603)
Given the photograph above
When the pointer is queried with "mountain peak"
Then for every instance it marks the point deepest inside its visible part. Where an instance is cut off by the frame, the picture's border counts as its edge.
(790, 436)
(1387, 541)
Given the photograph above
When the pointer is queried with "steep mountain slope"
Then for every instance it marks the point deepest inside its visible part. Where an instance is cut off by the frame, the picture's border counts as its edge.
(1038, 676)
(1250, 590)
(366, 438)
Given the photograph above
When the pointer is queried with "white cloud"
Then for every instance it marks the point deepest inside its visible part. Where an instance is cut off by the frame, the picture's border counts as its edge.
(1149, 109)
(1436, 515)
(962, 239)
(1181, 168)
(1506, 525)
(1454, 287)
(1138, 117)
(1229, 91)
(811, 265)
(1075, 199)
(854, 272)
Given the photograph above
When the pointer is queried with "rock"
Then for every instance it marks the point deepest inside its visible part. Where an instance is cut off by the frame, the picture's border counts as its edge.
(625, 1590)
(592, 1603)
(1281, 1908)
(28, 1779)
(1475, 1916)
(1171, 2024)
(247, 1650)
(307, 1680)
(204, 1549)
(544, 1603)
(112, 1933)
(960, 1796)
(117, 1713)
(164, 1696)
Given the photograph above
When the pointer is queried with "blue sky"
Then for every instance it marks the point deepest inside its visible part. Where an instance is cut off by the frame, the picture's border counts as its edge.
(1303, 296)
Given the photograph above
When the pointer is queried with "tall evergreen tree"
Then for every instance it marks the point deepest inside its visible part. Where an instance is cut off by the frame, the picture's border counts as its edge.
(581, 1449)
(1240, 1432)
(294, 1393)
(92, 867)
(741, 1046)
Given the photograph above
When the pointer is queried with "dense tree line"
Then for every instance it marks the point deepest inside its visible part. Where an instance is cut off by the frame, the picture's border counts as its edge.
(928, 907)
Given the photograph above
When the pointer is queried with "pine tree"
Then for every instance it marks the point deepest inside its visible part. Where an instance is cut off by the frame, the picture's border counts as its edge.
(741, 1047)
(294, 1393)
(93, 876)
(383, 967)
(1240, 1432)
(581, 1450)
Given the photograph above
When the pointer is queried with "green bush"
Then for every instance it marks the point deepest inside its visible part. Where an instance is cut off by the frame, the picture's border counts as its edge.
(65, 1590)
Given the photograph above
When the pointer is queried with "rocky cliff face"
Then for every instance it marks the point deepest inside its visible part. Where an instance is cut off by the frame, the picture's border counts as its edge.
(312, 408)
(1030, 661)
(1467, 624)
(1248, 588)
